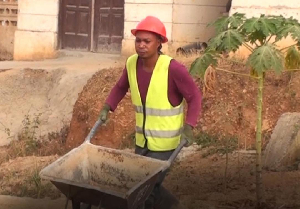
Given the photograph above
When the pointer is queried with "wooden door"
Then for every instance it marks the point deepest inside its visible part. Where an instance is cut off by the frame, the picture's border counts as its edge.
(109, 25)
(76, 24)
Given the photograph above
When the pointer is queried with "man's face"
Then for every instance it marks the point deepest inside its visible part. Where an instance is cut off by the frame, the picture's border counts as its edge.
(146, 44)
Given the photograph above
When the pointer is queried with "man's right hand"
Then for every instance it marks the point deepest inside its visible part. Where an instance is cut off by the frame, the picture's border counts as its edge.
(104, 113)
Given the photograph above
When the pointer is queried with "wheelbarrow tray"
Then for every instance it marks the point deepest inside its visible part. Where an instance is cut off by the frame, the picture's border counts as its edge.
(94, 174)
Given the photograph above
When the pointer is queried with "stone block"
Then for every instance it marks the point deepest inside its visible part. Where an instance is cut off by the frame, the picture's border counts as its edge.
(34, 45)
(39, 23)
(202, 2)
(127, 47)
(192, 32)
(276, 4)
(137, 12)
(283, 150)
(256, 12)
(196, 14)
(149, 1)
(39, 7)
(7, 35)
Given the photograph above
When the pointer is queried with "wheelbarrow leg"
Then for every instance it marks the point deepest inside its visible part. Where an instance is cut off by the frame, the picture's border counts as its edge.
(100, 205)
(67, 202)
(79, 205)
(85, 206)
(75, 204)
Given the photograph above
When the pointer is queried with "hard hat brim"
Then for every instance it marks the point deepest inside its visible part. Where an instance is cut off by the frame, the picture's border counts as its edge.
(164, 39)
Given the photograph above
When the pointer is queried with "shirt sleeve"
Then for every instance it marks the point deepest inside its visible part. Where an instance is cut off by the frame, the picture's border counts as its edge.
(189, 90)
(118, 91)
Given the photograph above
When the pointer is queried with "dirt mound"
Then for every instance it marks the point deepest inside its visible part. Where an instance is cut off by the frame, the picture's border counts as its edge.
(200, 183)
(21, 177)
(229, 109)
(47, 96)
(118, 130)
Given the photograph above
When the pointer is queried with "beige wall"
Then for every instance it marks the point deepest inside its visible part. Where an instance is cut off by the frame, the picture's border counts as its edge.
(190, 20)
(36, 37)
(7, 42)
(136, 10)
(8, 22)
(185, 20)
(254, 8)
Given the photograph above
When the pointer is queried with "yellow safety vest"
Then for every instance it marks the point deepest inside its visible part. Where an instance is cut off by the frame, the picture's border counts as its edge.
(158, 122)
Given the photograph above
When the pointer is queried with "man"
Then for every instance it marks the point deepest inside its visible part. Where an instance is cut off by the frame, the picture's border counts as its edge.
(158, 85)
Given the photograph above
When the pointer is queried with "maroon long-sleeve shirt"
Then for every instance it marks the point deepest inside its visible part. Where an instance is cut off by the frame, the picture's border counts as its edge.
(180, 85)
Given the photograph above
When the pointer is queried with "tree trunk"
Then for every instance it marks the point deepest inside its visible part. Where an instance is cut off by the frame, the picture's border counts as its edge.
(259, 189)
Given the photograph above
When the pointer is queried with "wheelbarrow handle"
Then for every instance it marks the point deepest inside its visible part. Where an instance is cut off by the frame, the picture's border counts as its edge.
(93, 131)
(183, 141)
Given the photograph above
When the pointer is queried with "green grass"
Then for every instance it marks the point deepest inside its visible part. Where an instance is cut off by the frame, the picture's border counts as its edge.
(216, 144)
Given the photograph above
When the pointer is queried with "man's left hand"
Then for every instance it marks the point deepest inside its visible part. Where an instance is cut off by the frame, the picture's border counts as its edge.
(188, 135)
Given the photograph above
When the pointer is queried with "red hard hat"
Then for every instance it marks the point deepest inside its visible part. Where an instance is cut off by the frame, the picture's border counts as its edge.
(152, 24)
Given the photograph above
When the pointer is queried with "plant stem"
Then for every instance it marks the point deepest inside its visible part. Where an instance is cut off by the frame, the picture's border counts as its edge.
(289, 70)
(226, 167)
(269, 39)
(248, 47)
(259, 191)
(239, 165)
(242, 74)
(287, 47)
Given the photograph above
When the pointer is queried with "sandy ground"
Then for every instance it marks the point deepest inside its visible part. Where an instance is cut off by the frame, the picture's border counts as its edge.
(9, 202)
(46, 90)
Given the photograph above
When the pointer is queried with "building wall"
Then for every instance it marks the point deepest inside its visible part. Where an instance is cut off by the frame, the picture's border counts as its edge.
(136, 10)
(185, 20)
(8, 22)
(7, 42)
(254, 8)
(190, 20)
(36, 36)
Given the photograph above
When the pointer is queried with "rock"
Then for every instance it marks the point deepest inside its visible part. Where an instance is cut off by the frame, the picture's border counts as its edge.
(283, 150)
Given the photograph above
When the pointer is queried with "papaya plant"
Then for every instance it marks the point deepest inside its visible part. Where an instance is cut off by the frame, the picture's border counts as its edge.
(260, 35)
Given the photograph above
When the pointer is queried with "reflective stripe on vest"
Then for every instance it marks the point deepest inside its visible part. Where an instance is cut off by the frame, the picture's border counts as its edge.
(158, 112)
(159, 134)
(158, 123)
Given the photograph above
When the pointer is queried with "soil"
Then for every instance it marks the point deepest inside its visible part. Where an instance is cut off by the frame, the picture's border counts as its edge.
(86, 110)
(20, 177)
(201, 183)
(229, 110)
(46, 90)
(198, 182)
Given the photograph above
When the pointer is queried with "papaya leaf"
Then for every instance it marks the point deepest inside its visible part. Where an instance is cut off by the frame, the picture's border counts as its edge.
(290, 27)
(298, 45)
(200, 65)
(266, 57)
(259, 28)
(229, 40)
(292, 59)
(231, 22)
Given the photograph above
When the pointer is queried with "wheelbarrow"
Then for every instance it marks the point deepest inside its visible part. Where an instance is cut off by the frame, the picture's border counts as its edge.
(105, 177)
